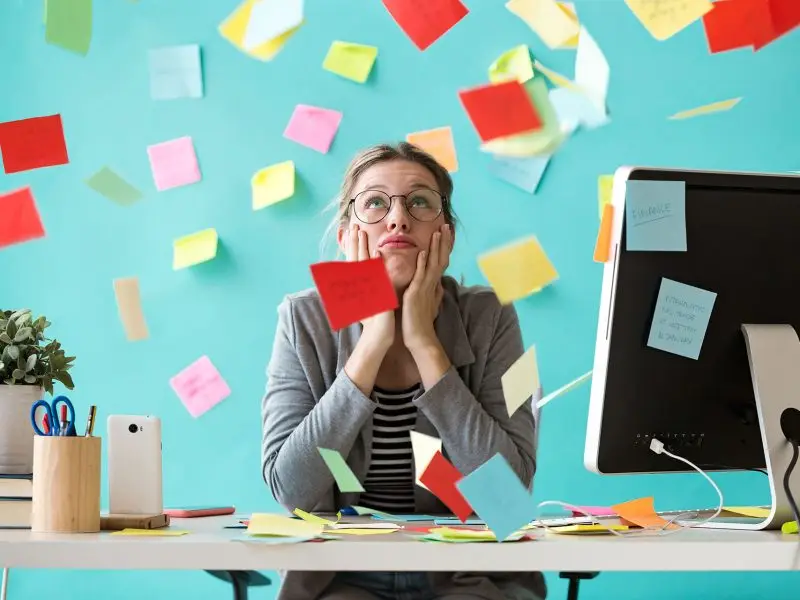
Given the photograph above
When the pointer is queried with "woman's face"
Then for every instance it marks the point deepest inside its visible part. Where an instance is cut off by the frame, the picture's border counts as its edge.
(398, 237)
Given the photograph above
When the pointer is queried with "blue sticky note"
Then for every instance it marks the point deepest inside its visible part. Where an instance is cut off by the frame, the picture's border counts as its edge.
(576, 108)
(524, 172)
(655, 215)
(175, 72)
(681, 318)
(498, 497)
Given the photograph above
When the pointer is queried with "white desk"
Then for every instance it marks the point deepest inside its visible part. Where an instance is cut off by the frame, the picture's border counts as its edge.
(209, 546)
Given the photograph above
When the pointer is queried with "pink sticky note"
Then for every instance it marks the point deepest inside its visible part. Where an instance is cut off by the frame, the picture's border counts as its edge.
(200, 386)
(313, 127)
(173, 163)
(595, 511)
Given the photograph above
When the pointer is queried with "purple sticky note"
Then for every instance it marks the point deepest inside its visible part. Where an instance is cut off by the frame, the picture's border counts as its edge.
(200, 386)
(173, 163)
(313, 127)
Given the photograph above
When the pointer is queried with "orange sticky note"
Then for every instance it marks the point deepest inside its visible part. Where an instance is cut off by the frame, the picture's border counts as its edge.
(640, 512)
(439, 144)
(602, 248)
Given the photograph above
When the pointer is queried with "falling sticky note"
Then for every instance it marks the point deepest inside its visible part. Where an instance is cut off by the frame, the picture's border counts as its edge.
(148, 532)
(175, 72)
(523, 172)
(500, 109)
(438, 143)
(569, 10)
(574, 106)
(605, 185)
(424, 448)
(68, 24)
(112, 186)
(270, 19)
(440, 477)
(129, 306)
(706, 109)
(640, 512)
(173, 163)
(236, 26)
(352, 61)
(515, 63)
(353, 290)
(425, 21)
(273, 184)
(564, 389)
(194, 248)
(33, 143)
(665, 18)
(21, 221)
(521, 381)
(517, 270)
(200, 386)
(655, 215)
(344, 477)
(680, 318)
(498, 496)
(279, 525)
(733, 24)
(547, 19)
(313, 127)
(602, 248)
(592, 72)
(555, 77)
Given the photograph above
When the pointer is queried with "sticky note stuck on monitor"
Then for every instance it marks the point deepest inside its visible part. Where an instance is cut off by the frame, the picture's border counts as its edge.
(345, 479)
(194, 248)
(273, 184)
(21, 221)
(200, 386)
(680, 319)
(655, 216)
(174, 163)
(129, 305)
(605, 185)
(518, 269)
(33, 143)
(438, 143)
(111, 185)
(521, 381)
(313, 127)
(349, 60)
(175, 72)
(425, 21)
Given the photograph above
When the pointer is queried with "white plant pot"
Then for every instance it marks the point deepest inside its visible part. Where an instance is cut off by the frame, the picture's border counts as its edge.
(16, 431)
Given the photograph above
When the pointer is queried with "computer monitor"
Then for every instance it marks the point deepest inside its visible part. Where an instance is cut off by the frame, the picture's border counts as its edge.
(722, 409)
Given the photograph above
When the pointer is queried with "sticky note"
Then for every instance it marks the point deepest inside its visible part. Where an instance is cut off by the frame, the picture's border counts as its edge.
(312, 518)
(407, 518)
(352, 291)
(569, 10)
(111, 185)
(424, 448)
(555, 77)
(546, 18)
(200, 386)
(173, 163)
(276, 540)
(352, 61)
(757, 512)
(733, 24)
(592, 72)
(574, 106)
(33, 143)
(605, 185)
(68, 24)
(313, 127)
(784, 16)
(517, 270)
(640, 512)
(362, 531)
(706, 109)
(280, 525)
(680, 318)
(129, 306)
(665, 18)
(344, 477)
(515, 63)
(588, 529)
(440, 478)
(564, 389)
(425, 21)
(21, 221)
(655, 215)
(523, 172)
(148, 532)
(595, 511)
(175, 72)
(602, 248)
(270, 19)
(498, 496)
(235, 27)
(521, 381)
(194, 248)
(273, 184)
(438, 143)
(499, 109)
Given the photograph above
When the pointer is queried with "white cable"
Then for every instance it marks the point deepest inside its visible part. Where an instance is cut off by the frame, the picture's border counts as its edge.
(4, 589)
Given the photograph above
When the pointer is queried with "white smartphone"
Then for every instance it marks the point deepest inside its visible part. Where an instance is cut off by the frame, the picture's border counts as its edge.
(134, 465)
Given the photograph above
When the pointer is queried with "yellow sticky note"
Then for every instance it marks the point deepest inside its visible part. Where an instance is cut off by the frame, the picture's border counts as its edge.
(707, 109)
(194, 248)
(317, 520)
(757, 512)
(605, 184)
(517, 270)
(464, 534)
(273, 184)
(512, 64)
(547, 19)
(353, 61)
(346, 531)
(150, 532)
(438, 143)
(569, 9)
(665, 18)
(424, 448)
(520, 381)
(271, 524)
(234, 29)
(590, 529)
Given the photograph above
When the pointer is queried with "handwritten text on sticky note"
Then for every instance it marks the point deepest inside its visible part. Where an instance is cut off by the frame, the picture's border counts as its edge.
(200, 386)
(665, 18)
(681, 318)
(655, 215)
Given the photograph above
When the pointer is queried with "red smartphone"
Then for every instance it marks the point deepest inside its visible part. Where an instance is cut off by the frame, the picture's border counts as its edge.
(199, 511)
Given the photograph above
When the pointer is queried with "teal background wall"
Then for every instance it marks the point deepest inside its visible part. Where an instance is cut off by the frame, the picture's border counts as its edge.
(226, 308)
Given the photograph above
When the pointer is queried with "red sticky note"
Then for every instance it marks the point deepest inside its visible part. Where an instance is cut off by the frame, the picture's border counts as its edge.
(734, 24)
(440, 477)
(352, 291)
(33, 143)
(500, 110)
(784, 16)
(425, 21)
(21, 221)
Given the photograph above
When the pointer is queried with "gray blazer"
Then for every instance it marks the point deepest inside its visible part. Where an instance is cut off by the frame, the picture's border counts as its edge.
(310, 402)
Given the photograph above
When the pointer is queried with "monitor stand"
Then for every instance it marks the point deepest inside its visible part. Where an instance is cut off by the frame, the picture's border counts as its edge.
(773, 352)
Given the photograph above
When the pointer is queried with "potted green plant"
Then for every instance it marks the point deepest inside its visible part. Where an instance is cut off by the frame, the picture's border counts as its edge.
(30, 364)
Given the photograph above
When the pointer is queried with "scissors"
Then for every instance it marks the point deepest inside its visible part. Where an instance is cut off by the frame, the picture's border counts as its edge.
(54, 424)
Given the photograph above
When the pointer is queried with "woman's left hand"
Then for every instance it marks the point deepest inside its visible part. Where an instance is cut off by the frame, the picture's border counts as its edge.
(423, 296)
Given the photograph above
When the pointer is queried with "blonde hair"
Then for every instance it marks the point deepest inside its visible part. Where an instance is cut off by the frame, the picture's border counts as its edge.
(372, 156)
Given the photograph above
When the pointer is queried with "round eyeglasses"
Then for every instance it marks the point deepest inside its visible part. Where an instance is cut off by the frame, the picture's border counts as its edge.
(424, 204)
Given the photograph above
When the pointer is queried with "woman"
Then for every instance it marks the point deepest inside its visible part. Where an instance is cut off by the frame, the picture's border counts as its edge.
(431, 366)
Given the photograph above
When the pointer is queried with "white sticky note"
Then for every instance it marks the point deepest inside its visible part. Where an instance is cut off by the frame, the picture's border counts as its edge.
(270, 19)
(592, 72)
(424, 447)
(521, 380)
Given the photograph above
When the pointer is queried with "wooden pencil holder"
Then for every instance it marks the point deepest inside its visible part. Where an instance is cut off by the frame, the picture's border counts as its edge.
(66, 484)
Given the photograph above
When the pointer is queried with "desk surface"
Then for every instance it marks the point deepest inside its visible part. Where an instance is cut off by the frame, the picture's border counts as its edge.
(210, 546)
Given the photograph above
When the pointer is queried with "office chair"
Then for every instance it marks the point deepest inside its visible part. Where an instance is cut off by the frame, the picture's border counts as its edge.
(575, 579)
(241, 581)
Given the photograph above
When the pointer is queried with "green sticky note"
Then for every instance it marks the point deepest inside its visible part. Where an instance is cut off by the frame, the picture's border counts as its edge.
(353, 61)
(345, 478)
(68, 24)
(107, 183)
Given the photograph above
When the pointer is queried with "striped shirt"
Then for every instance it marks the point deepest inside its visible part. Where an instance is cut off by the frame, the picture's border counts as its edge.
(389, 485)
